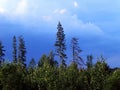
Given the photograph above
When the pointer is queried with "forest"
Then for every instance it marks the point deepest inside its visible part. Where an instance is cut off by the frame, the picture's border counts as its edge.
(52, 72)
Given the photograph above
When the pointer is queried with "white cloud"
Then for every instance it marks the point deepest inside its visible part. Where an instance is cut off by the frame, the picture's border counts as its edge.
(44, 11)
(2, 10)
(2, 2)
(21, 7)
(2, 6)
(75, 4)
(91, 28)
(14, 7)
(60, 11)
(77, 25)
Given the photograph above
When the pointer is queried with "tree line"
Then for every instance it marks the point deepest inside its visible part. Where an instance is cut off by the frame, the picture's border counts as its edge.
(52, 72)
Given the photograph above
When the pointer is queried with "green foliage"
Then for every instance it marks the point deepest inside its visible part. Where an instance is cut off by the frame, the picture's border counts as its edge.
(99, 74)
(32, 64)
(113, 82)
(72, 76)
(49, 60)
(12, 76)
(42, 60)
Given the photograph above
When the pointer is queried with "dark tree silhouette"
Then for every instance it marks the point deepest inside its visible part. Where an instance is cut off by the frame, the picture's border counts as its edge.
(60, 45)
(76, 51)
(21, 51)
(14, 49)
(89, 62)
(2, 54)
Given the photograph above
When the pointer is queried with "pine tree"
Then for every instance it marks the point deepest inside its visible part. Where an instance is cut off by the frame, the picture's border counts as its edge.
(60, 45)
(43, 60)
(76, 51)
(51, 59)
(21, 51)
(32, 63)
(2, 54)
(14, 50)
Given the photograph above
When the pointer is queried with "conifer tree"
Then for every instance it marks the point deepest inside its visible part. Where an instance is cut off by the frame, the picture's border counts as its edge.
(32, 63)
(21, 51)
(89, 62)
(60, 45)
(52, 60)
(76, 51)
(2, 54)
(42, 60)
(14, 49)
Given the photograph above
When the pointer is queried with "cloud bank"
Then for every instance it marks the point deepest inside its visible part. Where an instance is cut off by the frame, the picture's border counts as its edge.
(35, 13)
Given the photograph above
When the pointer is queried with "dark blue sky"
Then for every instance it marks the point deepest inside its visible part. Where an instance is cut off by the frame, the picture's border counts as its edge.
(94, 22)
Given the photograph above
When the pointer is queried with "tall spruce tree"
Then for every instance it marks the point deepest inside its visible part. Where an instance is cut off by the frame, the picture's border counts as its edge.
(76, 51)
(21, 51)
(14, 49)
(60, 45)
(2, 54)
